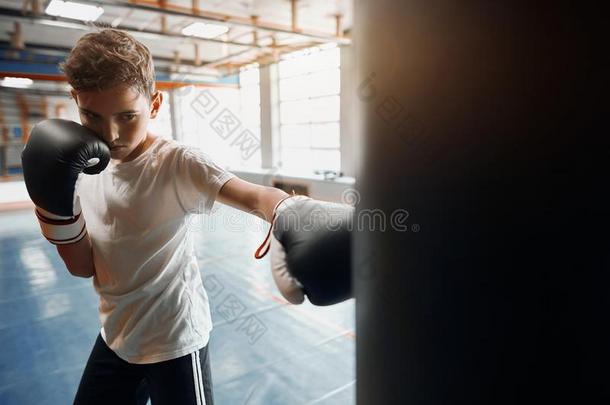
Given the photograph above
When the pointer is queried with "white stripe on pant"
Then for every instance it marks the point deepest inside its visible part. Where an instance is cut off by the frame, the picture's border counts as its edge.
(199, 392)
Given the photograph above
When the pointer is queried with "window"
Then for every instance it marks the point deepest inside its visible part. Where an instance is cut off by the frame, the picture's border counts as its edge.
(214, 119)
(309, 87)
(250, 116)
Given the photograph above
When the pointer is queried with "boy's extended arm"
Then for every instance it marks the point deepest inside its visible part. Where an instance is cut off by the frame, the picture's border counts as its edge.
(249, 197)
(78, 257)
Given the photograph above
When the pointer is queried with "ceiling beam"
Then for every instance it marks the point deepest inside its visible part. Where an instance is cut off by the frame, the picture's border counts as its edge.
(177, 10)
(9, 14)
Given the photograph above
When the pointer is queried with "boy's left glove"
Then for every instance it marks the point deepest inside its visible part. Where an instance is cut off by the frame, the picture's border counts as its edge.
(311, 250)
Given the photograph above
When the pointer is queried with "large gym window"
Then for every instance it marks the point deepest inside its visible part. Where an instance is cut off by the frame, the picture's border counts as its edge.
(309, 86)
(250, 114)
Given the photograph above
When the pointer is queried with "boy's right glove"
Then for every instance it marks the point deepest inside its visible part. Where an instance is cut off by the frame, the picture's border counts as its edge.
(311, 250)
(57, 151)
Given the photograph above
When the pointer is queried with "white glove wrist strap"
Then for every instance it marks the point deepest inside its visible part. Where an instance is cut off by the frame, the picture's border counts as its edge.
(61, 230)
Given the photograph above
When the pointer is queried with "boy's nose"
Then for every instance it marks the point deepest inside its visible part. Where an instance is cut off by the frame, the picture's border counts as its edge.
(110, 133)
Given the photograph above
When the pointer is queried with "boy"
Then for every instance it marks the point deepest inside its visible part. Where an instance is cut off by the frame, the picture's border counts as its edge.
(131, 234)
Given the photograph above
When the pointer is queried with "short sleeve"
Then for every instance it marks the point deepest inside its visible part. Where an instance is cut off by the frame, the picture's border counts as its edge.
(198, 180)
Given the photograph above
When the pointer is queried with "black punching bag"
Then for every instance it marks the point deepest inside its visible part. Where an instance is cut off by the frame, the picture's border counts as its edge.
(483, 130)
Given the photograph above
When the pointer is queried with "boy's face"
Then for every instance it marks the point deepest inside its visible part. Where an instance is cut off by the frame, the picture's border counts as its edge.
(119, 115)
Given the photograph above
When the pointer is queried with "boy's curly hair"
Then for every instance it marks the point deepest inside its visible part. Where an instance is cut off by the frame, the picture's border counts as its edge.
(101, 60)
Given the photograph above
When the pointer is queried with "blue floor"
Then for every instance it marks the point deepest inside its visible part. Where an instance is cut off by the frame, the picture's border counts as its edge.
(263, 350)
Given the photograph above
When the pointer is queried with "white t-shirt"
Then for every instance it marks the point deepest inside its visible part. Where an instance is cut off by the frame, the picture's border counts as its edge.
(153, 306)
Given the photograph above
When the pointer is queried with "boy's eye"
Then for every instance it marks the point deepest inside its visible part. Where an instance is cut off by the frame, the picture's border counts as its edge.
(129, 117)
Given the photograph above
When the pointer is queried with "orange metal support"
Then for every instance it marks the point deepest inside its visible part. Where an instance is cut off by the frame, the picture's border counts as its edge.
(160, 84)
(44, 106)
(24, 113)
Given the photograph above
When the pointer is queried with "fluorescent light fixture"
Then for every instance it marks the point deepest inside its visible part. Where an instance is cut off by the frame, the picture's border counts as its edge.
(203, 30)
(73, 10)
(249, 66)
(329, 45)
(300, 53)
(18, 82)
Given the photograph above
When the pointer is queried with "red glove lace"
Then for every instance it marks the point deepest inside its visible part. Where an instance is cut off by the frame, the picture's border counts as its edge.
(267, 242)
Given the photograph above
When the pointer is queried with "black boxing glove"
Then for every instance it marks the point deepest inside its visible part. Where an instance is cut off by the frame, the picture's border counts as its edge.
(56, 152)
(311, 250)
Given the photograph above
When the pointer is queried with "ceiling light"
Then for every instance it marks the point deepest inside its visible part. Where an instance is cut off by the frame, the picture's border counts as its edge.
(249, 67)
(329, 45)
(19, 82)
(76, 11)
(203, 30)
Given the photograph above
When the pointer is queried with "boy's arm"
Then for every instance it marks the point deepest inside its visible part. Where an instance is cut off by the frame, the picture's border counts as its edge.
(251, 198)
(56, 152)
(78, 257)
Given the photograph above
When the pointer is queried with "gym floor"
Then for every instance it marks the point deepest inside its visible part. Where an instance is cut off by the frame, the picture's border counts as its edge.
(263, 350)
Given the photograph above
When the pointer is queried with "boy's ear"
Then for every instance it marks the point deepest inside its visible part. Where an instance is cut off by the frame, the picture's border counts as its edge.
(155, 104)
(73, 94)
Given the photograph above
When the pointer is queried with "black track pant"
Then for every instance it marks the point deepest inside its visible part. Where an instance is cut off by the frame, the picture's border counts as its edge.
(108, 379)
